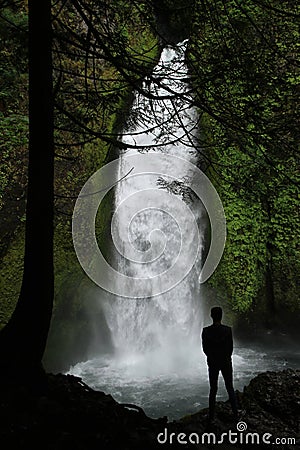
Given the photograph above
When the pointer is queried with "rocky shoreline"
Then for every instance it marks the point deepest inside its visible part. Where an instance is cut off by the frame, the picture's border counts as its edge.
(71, 415)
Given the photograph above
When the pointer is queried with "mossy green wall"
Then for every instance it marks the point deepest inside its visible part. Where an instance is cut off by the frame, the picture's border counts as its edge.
(72, 332)
(249, 135)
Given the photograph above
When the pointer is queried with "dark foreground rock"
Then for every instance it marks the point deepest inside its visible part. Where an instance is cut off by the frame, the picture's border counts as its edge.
(269, 415)
(70, 415)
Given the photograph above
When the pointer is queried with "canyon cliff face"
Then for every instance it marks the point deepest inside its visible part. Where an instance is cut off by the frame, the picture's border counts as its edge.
(249, 130)
(249, 153)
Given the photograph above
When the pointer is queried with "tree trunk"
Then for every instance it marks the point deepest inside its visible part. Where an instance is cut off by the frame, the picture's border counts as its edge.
(23, 339)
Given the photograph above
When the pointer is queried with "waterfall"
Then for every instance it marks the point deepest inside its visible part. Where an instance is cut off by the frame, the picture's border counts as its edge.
(151, 225)
(155, 312)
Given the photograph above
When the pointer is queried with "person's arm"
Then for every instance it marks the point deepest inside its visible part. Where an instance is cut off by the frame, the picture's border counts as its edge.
(204, 342)
(230, 342)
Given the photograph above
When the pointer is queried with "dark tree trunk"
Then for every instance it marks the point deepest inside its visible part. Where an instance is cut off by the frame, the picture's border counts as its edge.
(23, 339)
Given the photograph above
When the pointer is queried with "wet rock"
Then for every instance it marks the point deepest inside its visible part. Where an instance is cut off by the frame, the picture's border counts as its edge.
(71, 415)
(279, 395)
(270, 407)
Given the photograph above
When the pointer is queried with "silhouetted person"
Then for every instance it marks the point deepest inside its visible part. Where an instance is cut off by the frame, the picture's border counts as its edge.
(218, 346)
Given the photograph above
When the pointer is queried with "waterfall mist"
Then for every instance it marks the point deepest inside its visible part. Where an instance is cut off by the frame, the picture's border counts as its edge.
(157, 334)
(155, 312)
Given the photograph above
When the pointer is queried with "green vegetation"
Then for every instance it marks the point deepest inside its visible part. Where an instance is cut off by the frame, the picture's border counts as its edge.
(13, 108)
(243, 57)
(13, 152)
(92, 99)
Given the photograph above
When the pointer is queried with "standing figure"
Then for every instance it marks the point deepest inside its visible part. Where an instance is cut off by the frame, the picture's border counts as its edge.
(217, 344)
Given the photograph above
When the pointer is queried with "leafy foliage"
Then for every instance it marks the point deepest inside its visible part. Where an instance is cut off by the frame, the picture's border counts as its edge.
(92, 94)
(244, 58)
(244, 65)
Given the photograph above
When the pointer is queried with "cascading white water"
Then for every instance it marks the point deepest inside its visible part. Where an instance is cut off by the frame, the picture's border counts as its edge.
(158, 332)
(158, 363)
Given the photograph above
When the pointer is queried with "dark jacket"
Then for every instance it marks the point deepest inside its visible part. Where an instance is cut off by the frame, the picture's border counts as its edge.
(217, 343)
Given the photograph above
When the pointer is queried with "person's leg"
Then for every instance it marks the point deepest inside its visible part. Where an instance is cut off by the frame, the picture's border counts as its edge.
(226, 370)
(213, 372)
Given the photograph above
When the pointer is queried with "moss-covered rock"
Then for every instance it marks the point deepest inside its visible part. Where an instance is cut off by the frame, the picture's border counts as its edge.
(249, 135)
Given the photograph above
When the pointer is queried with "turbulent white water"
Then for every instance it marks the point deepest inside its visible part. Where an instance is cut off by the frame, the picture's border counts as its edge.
(157, 332)
(177, 391)
(158, 363)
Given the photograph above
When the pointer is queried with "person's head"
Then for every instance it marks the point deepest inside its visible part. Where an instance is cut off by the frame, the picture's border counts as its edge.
(216, 313)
